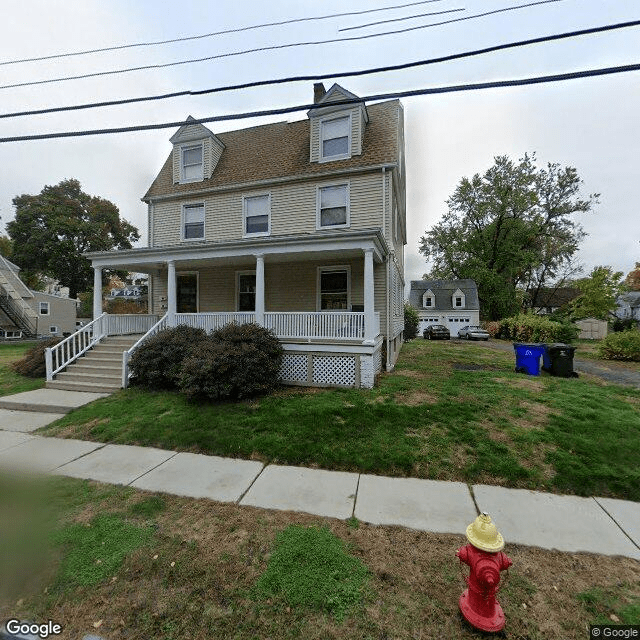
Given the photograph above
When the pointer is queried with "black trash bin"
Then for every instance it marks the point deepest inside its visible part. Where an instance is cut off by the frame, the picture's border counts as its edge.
(557, 359)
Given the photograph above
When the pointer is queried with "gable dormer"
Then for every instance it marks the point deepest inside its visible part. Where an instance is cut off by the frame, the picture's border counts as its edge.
(458, 300)
(337, 129)
(428, 300)
(196, 152)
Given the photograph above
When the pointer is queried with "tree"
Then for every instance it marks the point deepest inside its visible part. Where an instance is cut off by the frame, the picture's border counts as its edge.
(411, 322)
(53, 229)
(598, 294)
(509, 229)
(6, 246)
(632, 280)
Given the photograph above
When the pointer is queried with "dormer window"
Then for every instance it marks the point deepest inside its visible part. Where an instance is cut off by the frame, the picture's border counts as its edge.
(458, 300)
(192, 163)
(335, 138)
(428, 300)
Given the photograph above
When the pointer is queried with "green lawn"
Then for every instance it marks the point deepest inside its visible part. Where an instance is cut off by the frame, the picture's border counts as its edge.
(11, 382)
(450, 411)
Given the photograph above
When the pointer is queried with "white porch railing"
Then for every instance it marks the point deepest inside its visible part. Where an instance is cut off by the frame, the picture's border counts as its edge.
(328, 325)
(212, 321)
(131, 323)
(163, 323)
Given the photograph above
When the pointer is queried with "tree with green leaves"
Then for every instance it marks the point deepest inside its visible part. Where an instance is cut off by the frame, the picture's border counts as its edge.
(511, 230)
(53, 229)
(6, 247)
(598, 294)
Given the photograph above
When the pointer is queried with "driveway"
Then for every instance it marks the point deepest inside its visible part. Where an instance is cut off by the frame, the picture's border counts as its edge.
(609, 372)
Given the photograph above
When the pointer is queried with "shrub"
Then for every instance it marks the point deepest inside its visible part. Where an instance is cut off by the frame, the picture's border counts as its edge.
(411, 321)
(33, 363)
(624, 345)
(534, 328)
(157, 362)
(624, 325)
(493, 328)
(235, 362)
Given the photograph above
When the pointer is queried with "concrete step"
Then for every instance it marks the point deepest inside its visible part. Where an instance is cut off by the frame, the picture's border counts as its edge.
(95, 378)
(89, 367)
(84, 386)
(107, 348)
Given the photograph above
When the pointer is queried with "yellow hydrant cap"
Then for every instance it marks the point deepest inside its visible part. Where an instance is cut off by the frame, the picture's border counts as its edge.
(483, 534)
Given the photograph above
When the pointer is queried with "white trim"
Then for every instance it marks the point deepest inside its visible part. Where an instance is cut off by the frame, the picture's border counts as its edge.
(322, 122)
(187, 147)
(319, 188)
(248, 272)
(40, 307)
(54, 329)
(193, 205)
(329, 268)
(188, 273)
(458, 294)
(267, 194)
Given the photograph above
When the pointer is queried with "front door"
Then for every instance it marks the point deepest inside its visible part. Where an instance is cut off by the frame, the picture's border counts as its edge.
(187, 293)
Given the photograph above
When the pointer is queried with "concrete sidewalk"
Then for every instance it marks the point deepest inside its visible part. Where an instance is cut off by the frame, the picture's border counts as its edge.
(566, 523)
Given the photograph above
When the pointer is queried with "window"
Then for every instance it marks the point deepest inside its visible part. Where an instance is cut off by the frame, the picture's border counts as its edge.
(44, 308)
(458, 302)
(334, 138)
(428, 300)
(333, 206)
(334, 285)
(193, 221)
(247, 291)
(257, 215)
(192, 165)
(53, 329)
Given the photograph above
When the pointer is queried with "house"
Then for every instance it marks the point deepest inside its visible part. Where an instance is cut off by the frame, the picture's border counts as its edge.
(551, 299)
(628, 306)
(298, 226)
(31, 314)
(452, 303)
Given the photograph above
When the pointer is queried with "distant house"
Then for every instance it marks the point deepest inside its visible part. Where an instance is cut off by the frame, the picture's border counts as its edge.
(628, 306)
(452, 303)
(132, 292)
(31, 314)
(549, 300)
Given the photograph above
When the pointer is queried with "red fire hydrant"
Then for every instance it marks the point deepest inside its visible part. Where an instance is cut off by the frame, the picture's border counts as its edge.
(485, 558)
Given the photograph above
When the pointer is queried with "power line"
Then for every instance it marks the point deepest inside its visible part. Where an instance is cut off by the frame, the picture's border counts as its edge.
(215, 33)
(479, 15)
(574, 75)
(262, 49)
(308, 78)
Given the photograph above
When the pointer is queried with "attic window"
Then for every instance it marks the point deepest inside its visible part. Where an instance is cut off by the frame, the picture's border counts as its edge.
(458, 302)
(334, 138)
(428, 300)
(192, 165)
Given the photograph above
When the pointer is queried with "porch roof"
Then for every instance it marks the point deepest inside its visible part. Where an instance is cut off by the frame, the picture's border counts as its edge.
(343, 244)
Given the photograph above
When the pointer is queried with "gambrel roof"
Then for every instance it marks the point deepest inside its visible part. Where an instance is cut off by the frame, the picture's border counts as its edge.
(443, 291)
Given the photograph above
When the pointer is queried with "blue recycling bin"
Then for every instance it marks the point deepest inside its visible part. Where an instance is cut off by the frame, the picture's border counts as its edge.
(528, 358)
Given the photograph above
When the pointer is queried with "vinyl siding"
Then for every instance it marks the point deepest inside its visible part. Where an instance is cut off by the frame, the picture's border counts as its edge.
(357, 131)
(293, 210)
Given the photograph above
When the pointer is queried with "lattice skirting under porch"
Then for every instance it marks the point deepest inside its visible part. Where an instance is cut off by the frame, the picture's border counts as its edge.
(324, 369)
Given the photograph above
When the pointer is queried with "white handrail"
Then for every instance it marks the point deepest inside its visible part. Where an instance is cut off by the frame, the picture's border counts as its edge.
(126, 355)
(64, 353)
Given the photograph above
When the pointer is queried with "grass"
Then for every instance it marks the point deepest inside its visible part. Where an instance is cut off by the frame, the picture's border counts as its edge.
(449, 411)
(11, 382)
(174, 568)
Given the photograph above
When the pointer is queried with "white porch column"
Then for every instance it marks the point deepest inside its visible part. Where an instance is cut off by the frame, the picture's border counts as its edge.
(97, 292)
(171, 292)
(260, 289)
(369, 294)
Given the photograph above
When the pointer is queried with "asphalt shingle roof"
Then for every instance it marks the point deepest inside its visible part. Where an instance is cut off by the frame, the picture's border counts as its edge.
(443, 291)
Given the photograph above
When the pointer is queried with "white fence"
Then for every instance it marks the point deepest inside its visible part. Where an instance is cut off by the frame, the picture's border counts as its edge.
(322, 325)
(128, 324)
(212, 321)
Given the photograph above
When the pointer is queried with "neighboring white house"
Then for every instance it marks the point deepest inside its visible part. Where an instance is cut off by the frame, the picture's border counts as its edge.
(628, 306)
(299, 226)
(30, 314)
(452, 303)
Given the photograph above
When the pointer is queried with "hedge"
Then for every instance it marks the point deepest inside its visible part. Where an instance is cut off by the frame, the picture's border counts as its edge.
(534, 328)
(624, 345)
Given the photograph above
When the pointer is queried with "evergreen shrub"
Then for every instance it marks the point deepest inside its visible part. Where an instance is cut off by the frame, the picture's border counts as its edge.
(624, 345)
(534, 328)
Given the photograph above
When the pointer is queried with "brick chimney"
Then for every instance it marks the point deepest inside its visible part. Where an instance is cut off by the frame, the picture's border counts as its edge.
(318, 92)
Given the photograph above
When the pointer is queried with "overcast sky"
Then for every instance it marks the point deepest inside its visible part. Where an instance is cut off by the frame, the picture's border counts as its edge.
(591, 124)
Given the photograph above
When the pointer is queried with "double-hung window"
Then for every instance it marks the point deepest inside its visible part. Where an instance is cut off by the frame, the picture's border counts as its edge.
(193, 222)
(44, 308)
(334, 138)
(333, 289)
(257, 216)
(192, 164)
(333, 206)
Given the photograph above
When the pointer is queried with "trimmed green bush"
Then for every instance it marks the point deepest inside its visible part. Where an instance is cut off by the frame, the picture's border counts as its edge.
(624, 345)
(235, 362)
(411, 322)
(157, 362)
(534, 328)
(33, 364)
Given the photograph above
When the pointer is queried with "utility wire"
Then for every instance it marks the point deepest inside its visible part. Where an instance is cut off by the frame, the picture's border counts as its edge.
(307, 78)
(479, 15)
(215, 33)
(268, 48)
(575, 75)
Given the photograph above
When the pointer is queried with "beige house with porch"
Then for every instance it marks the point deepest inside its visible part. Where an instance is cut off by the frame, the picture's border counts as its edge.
(298, 226)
